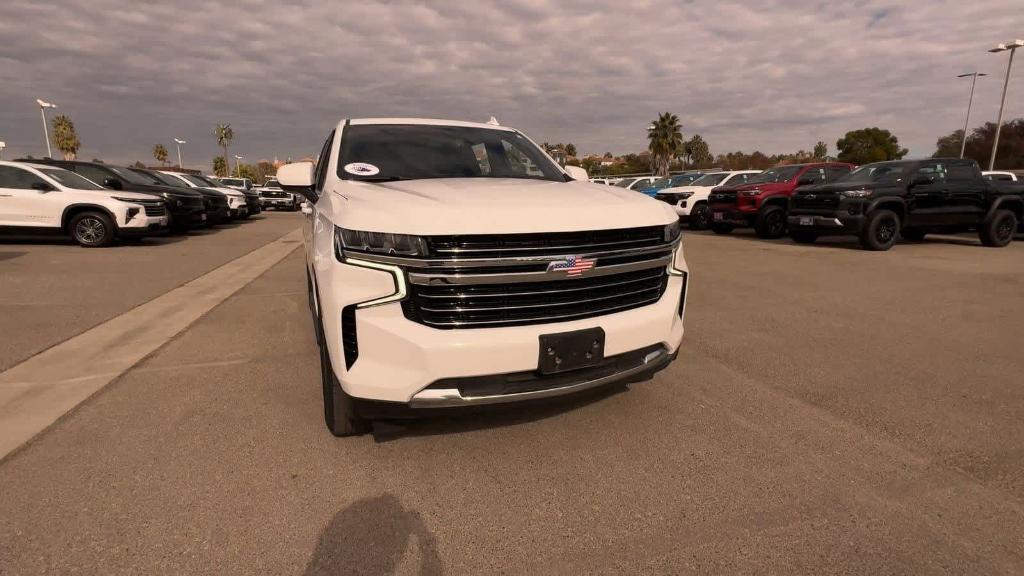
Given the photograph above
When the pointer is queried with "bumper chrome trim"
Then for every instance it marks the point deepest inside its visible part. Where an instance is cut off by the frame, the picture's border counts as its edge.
(448, 397)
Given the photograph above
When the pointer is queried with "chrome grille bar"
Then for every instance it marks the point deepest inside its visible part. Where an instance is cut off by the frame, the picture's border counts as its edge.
(428, 278)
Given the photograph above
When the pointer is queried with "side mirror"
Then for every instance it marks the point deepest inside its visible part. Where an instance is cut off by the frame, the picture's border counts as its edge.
(42, 187)
(805, 181)
(922, 180)
(577, 173)
(297, 178)
(113, 183)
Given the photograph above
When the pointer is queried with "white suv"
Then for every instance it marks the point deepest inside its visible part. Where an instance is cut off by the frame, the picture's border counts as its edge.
(455, 264)
(40, 198)
(691, 201)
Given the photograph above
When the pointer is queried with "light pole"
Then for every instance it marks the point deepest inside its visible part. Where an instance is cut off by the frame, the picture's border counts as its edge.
(974, 80)
(2, 146)
(1012, 47)
(46, 133)
(238, 165)
(178, 143)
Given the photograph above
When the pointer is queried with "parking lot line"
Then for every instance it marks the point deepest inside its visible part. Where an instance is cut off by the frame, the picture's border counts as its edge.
(37, 392)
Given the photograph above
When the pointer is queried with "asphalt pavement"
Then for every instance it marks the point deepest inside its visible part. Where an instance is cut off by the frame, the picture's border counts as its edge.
(832, 411)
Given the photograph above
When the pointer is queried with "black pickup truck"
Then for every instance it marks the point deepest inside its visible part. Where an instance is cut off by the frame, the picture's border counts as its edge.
(881, 201)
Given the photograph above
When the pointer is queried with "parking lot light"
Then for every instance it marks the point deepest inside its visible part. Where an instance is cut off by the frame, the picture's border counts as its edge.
(974, 80)
(238, 165)
(2, 146)
(43, 105)
(178, 143)
(1012, 47)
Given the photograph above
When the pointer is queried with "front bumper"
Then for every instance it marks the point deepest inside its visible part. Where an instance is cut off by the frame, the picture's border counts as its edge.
(730, 215)
(401, 361)
(143, 226)
(826, 222)
(279, 202)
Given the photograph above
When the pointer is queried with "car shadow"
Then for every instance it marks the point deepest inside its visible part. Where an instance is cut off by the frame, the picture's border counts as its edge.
(372, 536)
(488, 417)
(65, 241)
(849, 242)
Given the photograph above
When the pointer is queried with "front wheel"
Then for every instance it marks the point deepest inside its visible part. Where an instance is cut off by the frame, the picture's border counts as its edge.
(718, 228)
(92, 229)
(771, 223)
(998, 230)
(880, 230)
(700, 217)
(803, 236)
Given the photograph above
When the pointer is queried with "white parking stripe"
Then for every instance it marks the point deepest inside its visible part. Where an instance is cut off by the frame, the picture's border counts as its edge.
(35, 393)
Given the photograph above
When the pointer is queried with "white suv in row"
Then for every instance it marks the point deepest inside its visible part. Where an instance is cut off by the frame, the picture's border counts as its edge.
(456, 264)
(691, 201)
(37, 198)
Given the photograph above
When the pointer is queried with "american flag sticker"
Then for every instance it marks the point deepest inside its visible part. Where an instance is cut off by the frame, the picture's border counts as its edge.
(572, 265)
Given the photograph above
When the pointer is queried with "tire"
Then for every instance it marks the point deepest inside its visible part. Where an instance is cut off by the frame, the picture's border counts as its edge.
(771, 223)
(339, 409)
(998, 230)
(803, 236)
(880, 230)
(91, 229)
(700, 216)
(721, 228)
(913, 234)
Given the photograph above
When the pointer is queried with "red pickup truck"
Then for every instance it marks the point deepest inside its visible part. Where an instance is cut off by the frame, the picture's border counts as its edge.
(762, 202)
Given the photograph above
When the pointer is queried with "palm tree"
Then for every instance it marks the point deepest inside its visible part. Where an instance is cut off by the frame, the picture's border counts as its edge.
(666, 141)
(65, 137)
(160, 153)
(224, 135)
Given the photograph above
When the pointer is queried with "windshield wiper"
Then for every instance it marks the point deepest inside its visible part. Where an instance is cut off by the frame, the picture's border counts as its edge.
(381, 179)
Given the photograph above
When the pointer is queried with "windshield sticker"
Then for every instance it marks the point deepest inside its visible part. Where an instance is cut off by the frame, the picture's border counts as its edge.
(362, 169)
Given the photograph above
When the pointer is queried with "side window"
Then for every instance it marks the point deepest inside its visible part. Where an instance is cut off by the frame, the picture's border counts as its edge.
(736, 179)
(97, 175)
(962, 172)
(935, 170)
(834, 173)
(815, 174)
(322, 162)
(18, 179)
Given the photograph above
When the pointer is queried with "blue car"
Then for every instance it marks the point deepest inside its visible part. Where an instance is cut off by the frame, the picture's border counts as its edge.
(671, 182)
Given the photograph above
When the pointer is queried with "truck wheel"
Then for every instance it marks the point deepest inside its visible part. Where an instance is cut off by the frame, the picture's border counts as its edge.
(880, 230)
(998, 230)
(721, 228)
(771, 223)
(803, 236)
(913, 234)
(91, 229)
(700, 217)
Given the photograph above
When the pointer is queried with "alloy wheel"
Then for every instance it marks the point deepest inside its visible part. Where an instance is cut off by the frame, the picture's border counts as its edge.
(90, 230)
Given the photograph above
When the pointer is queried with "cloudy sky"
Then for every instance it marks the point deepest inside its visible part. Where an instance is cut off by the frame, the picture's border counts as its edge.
(770, 75)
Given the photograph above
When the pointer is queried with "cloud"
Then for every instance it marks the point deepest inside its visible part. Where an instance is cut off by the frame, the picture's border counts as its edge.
(774, 75)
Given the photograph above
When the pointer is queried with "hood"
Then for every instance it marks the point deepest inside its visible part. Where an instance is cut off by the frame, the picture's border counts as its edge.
(156, 189)
(493, 205)
(679, 189)
(766, 186)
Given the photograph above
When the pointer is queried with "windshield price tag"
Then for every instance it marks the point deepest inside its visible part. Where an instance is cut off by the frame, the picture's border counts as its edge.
(362, 169)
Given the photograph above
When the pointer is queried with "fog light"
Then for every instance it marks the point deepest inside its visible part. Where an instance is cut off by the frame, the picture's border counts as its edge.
(132, 213)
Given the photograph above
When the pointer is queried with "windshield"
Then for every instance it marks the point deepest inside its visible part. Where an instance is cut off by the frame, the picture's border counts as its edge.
(662, 182)
(710, 179)
(271, 184)
(69, 179)
(783, 174)
(625, 182)
(238, 182)
(684, 179)
(195, 180)
(410, 152)
(133, 176)
(876, 172)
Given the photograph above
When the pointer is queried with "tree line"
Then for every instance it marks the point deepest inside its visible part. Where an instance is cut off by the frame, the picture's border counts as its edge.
(1009, 156)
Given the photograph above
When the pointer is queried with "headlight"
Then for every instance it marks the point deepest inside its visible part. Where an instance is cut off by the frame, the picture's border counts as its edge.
(379, 242)
(671, 232)
(684, 195)
(856, 193)
(754, 192)
(131, 200)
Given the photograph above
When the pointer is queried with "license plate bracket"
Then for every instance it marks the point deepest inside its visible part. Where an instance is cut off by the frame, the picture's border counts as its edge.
(570, 350)
(719, 216)
(807, 221)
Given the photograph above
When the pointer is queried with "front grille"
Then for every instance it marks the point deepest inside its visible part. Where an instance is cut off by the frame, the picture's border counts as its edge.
(722, 198)
(816, 200)
(275, 195)
(517, 304)
(155, 209)
(671, 198)
(554, 243)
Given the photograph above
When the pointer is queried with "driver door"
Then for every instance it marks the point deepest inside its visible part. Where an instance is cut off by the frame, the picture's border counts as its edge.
(28, 201)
